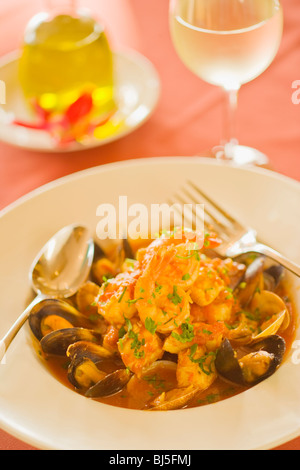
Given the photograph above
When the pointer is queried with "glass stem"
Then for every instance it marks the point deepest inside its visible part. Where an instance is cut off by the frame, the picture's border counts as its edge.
(230, 125)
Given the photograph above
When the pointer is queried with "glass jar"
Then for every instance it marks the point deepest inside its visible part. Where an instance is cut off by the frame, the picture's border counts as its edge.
(66, 55)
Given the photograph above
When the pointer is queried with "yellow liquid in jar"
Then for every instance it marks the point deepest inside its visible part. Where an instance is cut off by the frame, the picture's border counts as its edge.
(64, 58)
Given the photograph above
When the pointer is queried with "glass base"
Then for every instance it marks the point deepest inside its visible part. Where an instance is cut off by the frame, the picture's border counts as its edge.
(240, 155)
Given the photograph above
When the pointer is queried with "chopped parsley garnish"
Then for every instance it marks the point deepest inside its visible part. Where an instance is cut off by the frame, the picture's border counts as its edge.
(174, 297)
(134, 301)
(206, 368)
(106, 279)
(130, 262)
(187, 333)
(207, 332)
(155, 380)
(136, 344)
(122, 295)
(206, 240)
(254, 316)
(122, 332)
(150, 325)
(128, 324)
(191, 253)
(186, 277)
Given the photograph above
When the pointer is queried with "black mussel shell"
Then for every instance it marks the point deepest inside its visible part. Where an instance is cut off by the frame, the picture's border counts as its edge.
(110, 385)
(72, 369)
(251, 279)
(124, 252)
(99, 253)
(273, 276)
(57, 342)
(53, 307)
(228, 367)
(227, 364)
(84, 352)
(127, 249)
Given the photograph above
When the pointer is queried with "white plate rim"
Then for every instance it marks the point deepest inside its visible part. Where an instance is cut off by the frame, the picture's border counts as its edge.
(148, 160)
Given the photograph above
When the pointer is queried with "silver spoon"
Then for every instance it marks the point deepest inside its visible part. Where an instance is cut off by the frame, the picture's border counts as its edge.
(58, 271)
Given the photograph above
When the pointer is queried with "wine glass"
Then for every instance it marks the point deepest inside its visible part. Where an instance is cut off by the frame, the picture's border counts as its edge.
(228, 43)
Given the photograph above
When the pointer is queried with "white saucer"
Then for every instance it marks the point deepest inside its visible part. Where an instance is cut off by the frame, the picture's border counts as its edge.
(137, 94)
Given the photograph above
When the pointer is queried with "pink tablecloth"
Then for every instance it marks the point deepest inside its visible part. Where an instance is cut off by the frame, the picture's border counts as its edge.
(188, 119)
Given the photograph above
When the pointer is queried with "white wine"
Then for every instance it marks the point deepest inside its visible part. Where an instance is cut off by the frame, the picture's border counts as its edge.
(227, 42)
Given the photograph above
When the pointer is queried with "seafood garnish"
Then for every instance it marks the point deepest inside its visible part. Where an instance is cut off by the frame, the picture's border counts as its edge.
(159, 326)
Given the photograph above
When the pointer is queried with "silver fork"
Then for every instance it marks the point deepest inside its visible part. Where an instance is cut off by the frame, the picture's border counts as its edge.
(237, 239)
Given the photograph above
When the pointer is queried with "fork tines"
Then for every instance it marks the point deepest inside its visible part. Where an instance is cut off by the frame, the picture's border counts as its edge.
(200, 208)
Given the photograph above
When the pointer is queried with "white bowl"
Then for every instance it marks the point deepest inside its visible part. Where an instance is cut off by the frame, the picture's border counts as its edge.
(41, 411)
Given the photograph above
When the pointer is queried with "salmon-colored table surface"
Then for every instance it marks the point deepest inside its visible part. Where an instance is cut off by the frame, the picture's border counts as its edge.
(188, 118)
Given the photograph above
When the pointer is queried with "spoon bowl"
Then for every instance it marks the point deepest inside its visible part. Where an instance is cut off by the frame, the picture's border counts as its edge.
(64, 263)
(58, 271)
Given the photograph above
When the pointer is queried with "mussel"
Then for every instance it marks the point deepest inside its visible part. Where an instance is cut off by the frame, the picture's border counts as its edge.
(251, 282)
(108, 265)
(86, 298)
(85, 356)
(261, 360)
(83, 372)
(110, 384)
(273, 276)
(259, 275)
(54, 314)
(57, 342)
(125, 251)
(95, 352)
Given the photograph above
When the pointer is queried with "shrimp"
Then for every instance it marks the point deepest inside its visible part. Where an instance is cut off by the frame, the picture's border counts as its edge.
(196, 366)
(197, 314)
(188, 334)
(184, 235)
(86, 298)
(193, 240)
(116, 298)
(230, 271)
(207, 287)
(130, 265)
(182, 267)
(182, 248)
(139, 347)
(103, 268)
(111, 338)
(166, 304)
(221, 309)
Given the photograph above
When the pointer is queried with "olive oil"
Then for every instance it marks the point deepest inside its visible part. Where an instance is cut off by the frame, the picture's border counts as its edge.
(63, 58)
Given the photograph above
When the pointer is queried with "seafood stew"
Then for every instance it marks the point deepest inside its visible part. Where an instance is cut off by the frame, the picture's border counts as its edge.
(166, 325)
